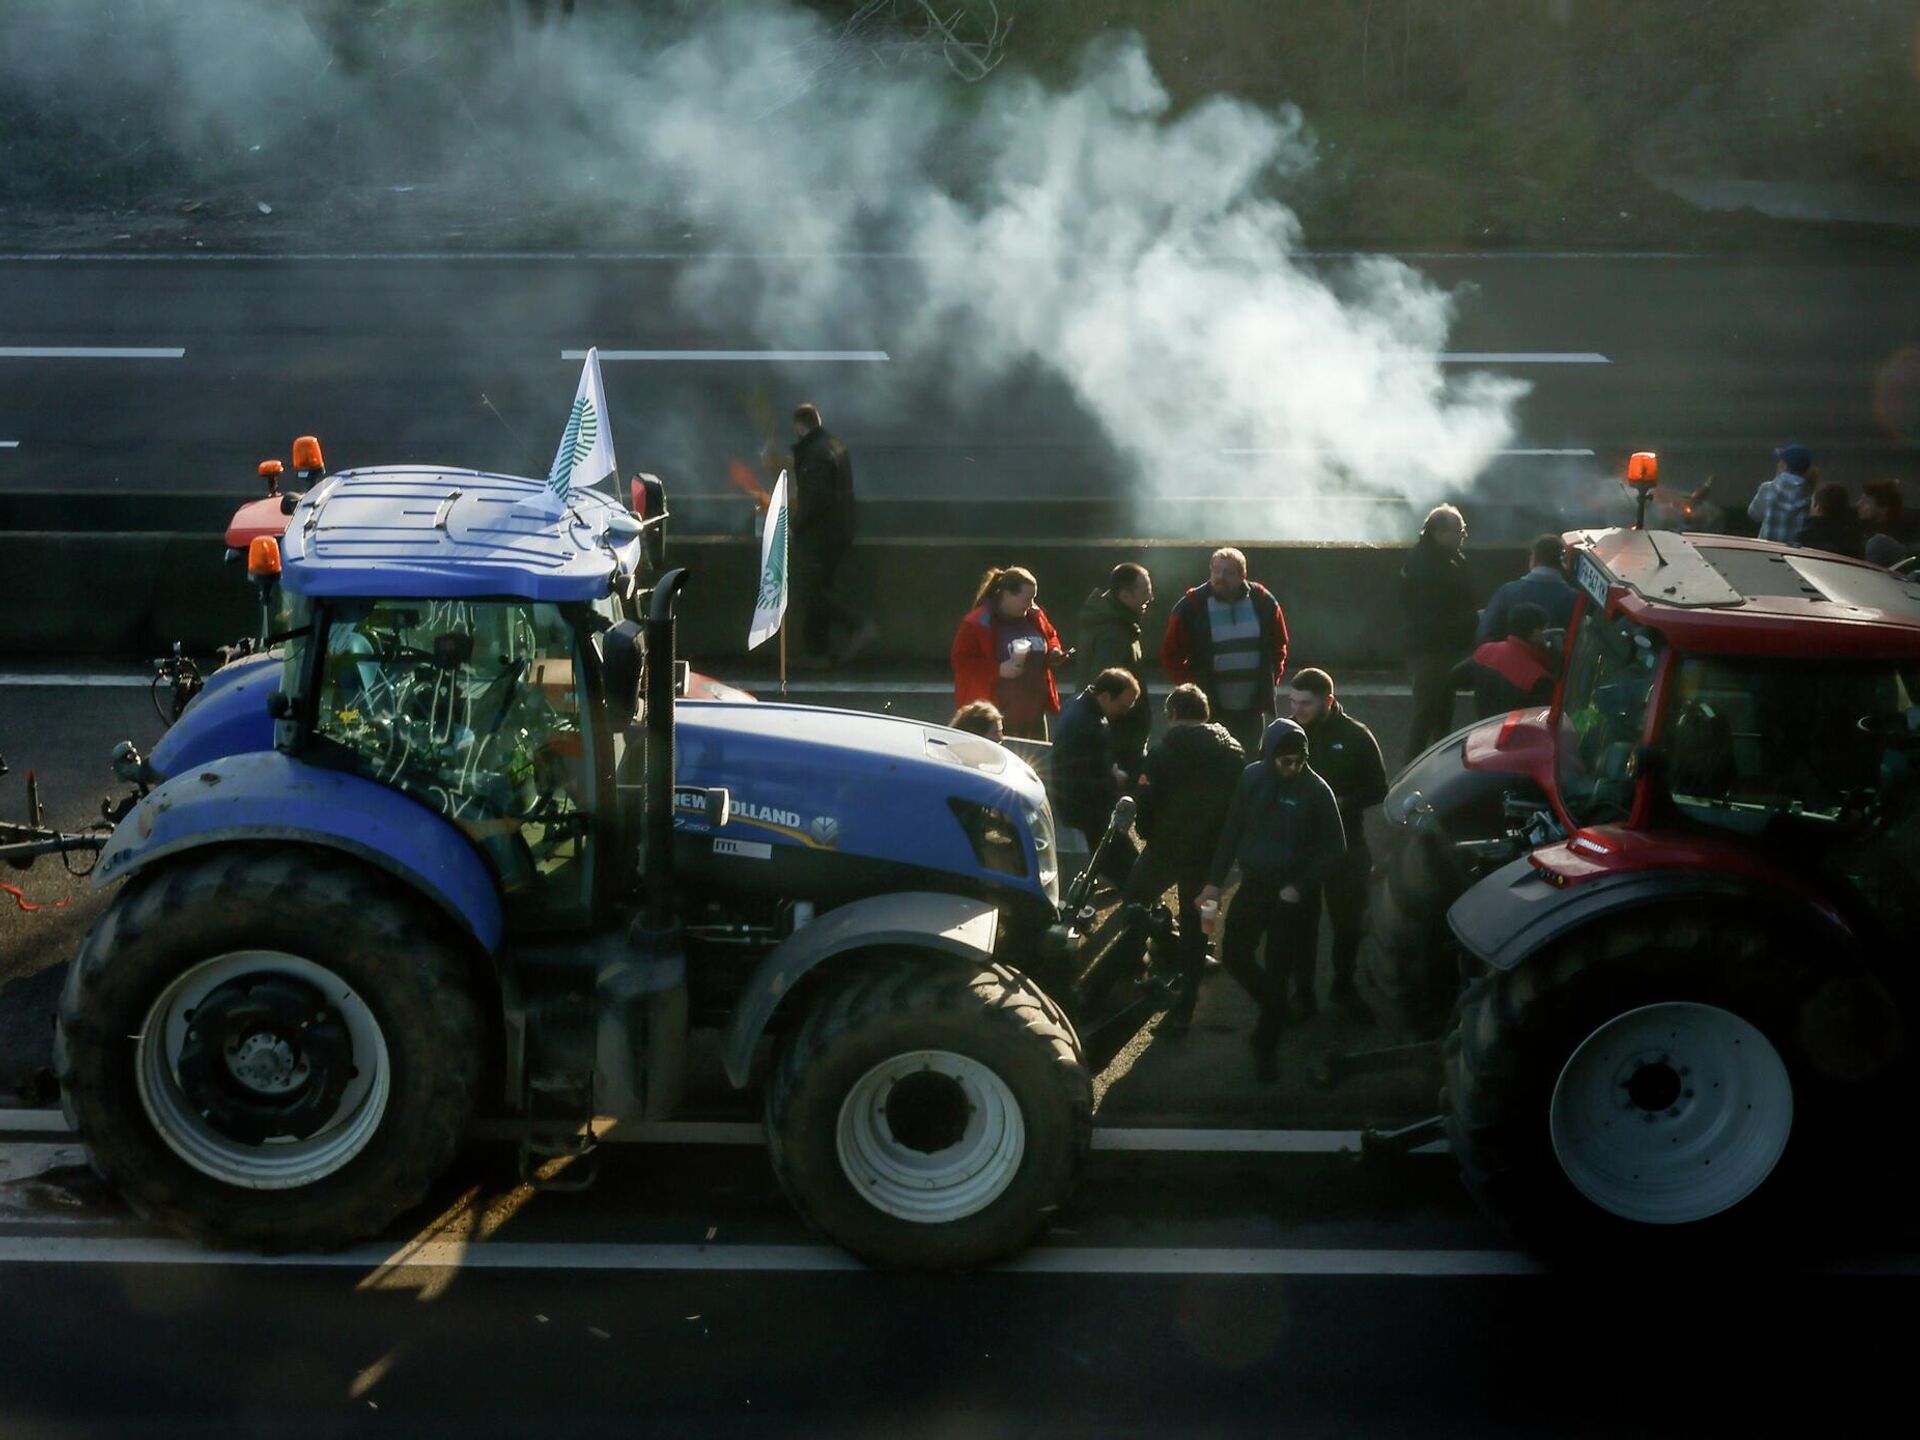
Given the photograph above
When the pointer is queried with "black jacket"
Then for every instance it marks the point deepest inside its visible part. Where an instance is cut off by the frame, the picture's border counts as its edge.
(1838, 534)
(822, 498)
(1344, 753)
(1436, 602)
(1282, 832)
(1109, 638)
(1190, 779)
(1081, 780)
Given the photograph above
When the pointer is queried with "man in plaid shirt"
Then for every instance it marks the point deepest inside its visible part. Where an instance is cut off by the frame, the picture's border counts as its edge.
(1779, 507)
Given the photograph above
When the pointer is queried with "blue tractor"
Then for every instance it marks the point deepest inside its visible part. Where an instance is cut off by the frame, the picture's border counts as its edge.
(452, 849)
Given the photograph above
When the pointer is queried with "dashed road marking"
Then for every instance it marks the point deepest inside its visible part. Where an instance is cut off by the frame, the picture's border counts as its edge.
(91, 352)
(1522, 357)
(766, 356)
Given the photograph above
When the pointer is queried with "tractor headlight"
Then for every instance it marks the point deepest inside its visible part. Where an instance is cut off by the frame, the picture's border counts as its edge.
(995, 837)
(1046, 853)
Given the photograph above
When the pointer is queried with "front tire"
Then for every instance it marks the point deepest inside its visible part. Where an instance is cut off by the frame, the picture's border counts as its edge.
(271, 1048)
(931, 1115)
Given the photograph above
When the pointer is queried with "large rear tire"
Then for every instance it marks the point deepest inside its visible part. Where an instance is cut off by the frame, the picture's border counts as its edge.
(931, 1114)
(272, 1048)
(1661, 1081)
(1408, 957)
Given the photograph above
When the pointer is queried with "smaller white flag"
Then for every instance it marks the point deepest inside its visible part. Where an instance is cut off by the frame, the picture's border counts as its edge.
(770, 606)
(585, 456)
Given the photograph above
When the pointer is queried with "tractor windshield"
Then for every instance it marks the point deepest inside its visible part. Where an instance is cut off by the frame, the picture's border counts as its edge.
(472, 708)
(1603, 717)
(1751, 740)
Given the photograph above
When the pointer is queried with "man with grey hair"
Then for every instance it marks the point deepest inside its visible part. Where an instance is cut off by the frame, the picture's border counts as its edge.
(1438, 617)
(1229, 637)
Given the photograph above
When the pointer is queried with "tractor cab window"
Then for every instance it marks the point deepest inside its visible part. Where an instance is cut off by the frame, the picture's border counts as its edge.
(472, 708)
(1603, 718)
(1751, 741)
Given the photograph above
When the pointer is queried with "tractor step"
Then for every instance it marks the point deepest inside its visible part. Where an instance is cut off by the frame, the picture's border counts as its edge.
(558, 1125)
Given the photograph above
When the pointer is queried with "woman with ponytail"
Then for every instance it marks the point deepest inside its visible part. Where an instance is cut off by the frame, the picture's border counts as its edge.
(1006, 651)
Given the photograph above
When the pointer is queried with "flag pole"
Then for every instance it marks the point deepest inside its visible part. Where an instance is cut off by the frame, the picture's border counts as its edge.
(783, 657)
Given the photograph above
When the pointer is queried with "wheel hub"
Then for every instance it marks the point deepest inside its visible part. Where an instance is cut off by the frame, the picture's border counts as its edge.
(927, 1112)
(1655, 1086)
(265, 1063)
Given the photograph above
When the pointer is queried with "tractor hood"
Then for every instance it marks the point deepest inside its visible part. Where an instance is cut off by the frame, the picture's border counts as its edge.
(860, 785)
(229, 717)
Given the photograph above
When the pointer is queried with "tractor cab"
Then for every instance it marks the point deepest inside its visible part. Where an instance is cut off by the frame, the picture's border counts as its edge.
(1733, 689)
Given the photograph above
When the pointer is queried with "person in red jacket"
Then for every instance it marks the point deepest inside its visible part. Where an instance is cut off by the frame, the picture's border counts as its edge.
(1006, 651)
(1229, 637)
(1513, 673)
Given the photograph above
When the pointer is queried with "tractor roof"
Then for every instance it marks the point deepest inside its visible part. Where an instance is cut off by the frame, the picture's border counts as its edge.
(1732, 595)
(433, 533)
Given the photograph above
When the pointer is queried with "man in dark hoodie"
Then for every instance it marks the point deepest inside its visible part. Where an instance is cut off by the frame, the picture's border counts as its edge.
(1183, 802)
(1344, 754)
(1109, 639)
(1283, 830)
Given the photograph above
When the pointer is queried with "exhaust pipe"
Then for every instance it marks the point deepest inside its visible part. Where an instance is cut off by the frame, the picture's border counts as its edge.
(657, 882)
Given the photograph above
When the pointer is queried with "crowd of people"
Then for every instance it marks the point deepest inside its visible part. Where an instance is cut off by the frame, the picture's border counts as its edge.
(1231, 784)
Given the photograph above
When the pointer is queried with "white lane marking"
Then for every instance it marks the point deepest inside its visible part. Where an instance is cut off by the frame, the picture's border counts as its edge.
(521, 1255)
(1523, 357)
(90, 352)
(79, 682)
(9, 444)
(35, 1122)
(865, 356)
(1230, 1142)
(1407, 450)
(747, 1132)
(24, 1161)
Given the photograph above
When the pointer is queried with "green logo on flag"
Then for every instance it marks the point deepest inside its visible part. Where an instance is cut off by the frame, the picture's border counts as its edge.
(576, 444)
(773, 581)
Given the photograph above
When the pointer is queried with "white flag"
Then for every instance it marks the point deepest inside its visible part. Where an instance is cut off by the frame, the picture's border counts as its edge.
(585, 456)
(770, 606)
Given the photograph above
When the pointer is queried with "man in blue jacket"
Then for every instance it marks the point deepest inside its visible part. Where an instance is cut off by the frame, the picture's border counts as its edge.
(1545, 584)
(1284, 832)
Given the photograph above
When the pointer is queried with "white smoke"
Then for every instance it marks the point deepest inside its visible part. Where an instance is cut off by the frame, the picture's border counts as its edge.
(1144, 262)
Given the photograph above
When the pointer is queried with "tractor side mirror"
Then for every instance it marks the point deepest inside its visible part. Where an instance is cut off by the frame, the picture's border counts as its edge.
(620, 663)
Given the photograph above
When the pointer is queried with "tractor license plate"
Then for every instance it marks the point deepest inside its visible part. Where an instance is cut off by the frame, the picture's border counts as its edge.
(1592, 581)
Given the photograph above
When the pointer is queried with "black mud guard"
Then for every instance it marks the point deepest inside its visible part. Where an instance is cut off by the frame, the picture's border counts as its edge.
(1516, 912)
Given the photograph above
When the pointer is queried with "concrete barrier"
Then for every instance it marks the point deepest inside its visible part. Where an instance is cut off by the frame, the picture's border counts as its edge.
(66, 593)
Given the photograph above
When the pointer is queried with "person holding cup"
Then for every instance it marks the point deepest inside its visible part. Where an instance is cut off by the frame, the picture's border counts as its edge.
(1284, 832)
(1006, 651)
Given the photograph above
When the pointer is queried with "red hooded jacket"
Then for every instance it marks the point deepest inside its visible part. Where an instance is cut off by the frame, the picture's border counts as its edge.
(976, 662)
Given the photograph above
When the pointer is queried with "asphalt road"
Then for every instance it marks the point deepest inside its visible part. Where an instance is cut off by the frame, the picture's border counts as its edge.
(1224, 1269)
(1708, 360)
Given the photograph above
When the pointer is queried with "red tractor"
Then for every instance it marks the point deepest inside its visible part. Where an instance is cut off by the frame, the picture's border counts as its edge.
(1661, 922)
